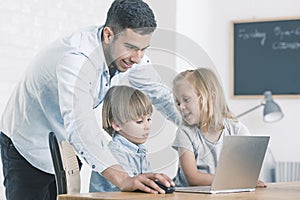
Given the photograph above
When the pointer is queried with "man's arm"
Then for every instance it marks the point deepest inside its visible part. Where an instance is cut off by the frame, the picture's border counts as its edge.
(145, 78)
(76, 79)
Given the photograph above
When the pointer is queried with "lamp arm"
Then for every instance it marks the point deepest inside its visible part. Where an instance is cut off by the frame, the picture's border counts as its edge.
(250, 110)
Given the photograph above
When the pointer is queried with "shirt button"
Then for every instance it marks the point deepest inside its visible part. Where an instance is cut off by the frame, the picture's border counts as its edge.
(81, 153)
(106, 84)
(93, 166)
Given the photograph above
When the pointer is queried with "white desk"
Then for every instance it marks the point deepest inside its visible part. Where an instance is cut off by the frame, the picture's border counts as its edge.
(288, 190)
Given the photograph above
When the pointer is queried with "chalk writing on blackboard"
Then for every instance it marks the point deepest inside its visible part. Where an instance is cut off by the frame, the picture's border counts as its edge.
(278, 32)
(253, 34)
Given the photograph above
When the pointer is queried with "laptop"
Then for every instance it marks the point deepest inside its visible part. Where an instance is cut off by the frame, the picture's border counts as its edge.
(239, 166)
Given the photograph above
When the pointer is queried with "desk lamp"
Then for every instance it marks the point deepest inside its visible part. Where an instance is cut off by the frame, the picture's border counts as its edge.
(272, 111)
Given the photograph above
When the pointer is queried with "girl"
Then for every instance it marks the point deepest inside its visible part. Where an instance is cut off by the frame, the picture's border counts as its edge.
(206, 120)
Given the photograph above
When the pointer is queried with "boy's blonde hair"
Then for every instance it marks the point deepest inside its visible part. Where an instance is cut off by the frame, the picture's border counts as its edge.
(122, 104)
(207, 86)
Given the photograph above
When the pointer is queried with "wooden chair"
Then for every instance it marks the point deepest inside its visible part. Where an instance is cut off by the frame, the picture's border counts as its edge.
(66, 167)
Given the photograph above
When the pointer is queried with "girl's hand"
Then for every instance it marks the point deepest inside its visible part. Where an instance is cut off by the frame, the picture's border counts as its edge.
(260, 183)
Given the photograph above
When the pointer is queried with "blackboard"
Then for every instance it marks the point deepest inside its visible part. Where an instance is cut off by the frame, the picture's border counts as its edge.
(265, 55)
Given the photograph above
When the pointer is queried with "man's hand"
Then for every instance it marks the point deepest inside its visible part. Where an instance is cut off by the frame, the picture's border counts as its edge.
(143, 182)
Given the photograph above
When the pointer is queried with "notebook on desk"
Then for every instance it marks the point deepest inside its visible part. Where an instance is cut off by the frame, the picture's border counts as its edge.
(239, 166)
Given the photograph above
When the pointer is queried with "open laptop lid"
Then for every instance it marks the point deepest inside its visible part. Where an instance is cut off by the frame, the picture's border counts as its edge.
(240, 162)
(238, 167)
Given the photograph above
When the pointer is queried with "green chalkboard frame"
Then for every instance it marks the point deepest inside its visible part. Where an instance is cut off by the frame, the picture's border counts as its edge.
(265, 55)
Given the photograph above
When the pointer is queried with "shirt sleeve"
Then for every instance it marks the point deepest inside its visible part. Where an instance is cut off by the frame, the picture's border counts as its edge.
(183, 139)
(241, 129)
(145, 78)
(75, 76)
(236, 127)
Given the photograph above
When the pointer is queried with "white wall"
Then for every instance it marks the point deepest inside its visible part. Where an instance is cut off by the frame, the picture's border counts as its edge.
(207, 22)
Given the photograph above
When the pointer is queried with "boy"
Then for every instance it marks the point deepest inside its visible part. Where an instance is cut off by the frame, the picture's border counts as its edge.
(126, 116)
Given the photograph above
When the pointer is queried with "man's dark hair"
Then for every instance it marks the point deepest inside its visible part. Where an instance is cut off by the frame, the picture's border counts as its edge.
(133, 14)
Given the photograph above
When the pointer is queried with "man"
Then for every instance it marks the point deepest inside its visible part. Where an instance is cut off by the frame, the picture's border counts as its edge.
(58, 93)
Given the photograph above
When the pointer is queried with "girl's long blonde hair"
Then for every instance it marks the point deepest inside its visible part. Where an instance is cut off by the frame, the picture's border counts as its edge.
(207, 86)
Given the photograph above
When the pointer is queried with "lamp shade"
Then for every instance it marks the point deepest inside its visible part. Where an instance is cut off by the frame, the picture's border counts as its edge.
(272, 111)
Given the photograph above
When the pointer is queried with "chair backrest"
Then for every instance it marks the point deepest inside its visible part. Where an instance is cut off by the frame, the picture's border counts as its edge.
(60, 175)
(71, 167)
(66, 167)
